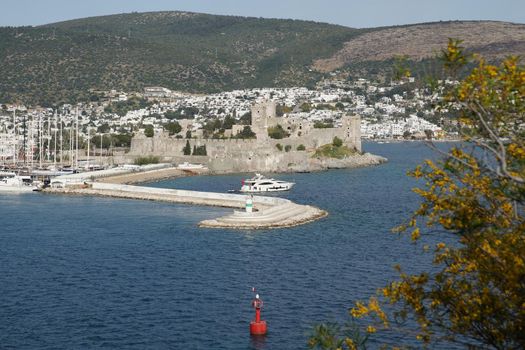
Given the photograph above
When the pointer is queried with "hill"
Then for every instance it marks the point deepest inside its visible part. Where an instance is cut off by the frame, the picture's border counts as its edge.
(66, 61)
(494, 40)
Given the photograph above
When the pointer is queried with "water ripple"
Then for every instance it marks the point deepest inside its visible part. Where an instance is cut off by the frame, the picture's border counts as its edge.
(83, 272)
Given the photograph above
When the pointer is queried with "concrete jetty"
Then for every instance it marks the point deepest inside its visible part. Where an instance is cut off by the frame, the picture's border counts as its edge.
(270, 212)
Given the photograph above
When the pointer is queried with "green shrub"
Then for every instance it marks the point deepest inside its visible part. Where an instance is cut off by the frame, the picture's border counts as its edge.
(148, 131)
(306, 107)
(147, 160)
(246, 133)
(173, 128)
(323, 125)
(337, 142)
(331, 151)
(279, 146)
(277, 132)
(287, 148)
(301, 147)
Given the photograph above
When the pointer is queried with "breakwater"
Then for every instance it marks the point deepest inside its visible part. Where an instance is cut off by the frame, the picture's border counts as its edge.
(270, 212)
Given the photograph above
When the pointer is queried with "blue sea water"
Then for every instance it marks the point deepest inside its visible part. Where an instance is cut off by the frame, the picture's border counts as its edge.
(88, 272)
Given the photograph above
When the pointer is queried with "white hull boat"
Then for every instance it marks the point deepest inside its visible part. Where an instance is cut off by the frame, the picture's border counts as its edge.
(189, 166)
(260, 183)
(12, 183)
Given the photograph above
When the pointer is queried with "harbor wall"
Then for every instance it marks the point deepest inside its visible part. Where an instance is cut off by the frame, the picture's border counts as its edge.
(269, 212)
(190, 197)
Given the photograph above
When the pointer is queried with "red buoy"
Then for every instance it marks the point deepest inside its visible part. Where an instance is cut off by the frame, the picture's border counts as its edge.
(257, 327)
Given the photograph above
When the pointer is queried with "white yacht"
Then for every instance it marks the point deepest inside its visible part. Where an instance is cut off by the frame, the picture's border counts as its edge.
(260, 183)
(190, 166)
(11, 182)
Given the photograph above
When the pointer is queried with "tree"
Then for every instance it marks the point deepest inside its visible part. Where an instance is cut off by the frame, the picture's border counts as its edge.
(429, 134)
(103, 128)
(172, 115)
(475, 294)
(199, 151)
(246, 133)
(106, 141)
(120, 140)
(401, 69)
(281, 109)
(337, 142)
(188, 134)
(246, 119)
(277, 132)
(148, 131)
(228, 122)
(211, 126)
(173, 128)
(187, 149)
(306, 107)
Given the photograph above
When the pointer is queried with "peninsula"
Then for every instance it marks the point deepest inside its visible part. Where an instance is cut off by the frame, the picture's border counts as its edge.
(269, 144)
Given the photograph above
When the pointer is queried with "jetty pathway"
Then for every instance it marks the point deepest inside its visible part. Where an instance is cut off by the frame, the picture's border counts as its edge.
(270, 212)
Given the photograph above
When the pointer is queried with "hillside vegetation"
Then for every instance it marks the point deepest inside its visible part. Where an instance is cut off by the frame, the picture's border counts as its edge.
(67, 61)
(494, 40)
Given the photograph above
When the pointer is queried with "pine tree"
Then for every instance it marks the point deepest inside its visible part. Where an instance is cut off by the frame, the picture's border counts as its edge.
(187, 149)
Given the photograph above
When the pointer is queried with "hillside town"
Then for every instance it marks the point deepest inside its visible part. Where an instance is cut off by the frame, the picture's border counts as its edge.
(400, 110)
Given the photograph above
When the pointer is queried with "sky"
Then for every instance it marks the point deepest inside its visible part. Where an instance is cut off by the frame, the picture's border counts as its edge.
(350, 13)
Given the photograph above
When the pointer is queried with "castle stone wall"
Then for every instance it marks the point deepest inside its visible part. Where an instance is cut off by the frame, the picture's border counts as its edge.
(260, 154)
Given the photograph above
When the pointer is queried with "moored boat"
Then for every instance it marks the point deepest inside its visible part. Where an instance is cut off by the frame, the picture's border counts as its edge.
(190, 166)
(11, 182)
(260, 183)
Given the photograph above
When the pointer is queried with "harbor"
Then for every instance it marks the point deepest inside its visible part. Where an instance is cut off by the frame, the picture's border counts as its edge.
(161, 277)
(268, 212)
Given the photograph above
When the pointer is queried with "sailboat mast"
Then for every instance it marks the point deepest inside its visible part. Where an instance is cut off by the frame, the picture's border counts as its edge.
(14, 137)
(71, 142)
(32, 137)
(100, 148)
(55, 139)
(48, 138)
(40, 143)
(76, 140)
(25, 148)
(88, 142)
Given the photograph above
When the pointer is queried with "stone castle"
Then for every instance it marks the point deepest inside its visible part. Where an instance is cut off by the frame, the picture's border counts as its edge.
(259, 154)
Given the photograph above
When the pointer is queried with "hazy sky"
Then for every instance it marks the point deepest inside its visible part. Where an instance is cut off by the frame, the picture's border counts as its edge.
(352, 13)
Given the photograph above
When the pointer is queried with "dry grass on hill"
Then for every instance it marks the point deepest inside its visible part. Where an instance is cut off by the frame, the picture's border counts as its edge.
(491, 39)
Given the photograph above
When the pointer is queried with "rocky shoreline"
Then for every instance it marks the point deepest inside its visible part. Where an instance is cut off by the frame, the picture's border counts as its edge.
(312, 165)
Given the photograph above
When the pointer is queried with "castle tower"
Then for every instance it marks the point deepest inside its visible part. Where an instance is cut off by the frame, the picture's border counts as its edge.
(352, 130)
(263, 115)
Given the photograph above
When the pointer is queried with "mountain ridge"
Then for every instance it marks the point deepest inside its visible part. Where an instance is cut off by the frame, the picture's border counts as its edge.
(65, 61)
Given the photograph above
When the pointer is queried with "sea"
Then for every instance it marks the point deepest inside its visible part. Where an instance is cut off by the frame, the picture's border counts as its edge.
(80, 272)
